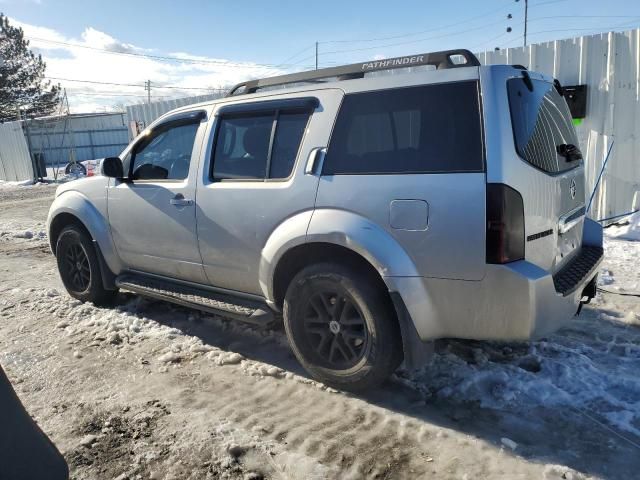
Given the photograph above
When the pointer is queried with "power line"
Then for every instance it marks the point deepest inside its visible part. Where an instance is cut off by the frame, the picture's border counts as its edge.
(415, 41)
(223, 63)
(594, 29)
(491, 40)
(175, 87)
(294, 56)
(93, 94)
(547, 3)
(393, 37)
(581, 16)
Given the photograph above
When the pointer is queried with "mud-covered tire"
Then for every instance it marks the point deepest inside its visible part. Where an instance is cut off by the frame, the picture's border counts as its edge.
(79, 267)
(367, 351)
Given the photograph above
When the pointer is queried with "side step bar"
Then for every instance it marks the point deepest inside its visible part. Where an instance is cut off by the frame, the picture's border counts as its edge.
(212, 302)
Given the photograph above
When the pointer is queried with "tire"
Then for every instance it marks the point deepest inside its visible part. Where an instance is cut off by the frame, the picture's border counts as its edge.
(75, 168)
(342, 327)
(79, 267)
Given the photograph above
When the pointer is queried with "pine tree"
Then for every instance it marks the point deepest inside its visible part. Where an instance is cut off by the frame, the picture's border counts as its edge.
(22, 84)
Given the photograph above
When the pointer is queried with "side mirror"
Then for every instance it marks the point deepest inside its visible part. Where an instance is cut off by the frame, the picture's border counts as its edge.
(112, 167)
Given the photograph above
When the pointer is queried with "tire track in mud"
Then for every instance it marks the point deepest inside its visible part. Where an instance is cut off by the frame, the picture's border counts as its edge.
(357, 438)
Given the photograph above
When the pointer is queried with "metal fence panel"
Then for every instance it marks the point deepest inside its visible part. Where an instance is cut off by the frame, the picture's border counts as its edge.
(609, 64)
(83, 137)
(146, 113)
(15, 161)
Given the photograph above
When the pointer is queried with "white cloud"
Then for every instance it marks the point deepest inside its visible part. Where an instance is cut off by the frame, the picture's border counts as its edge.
(76, 58)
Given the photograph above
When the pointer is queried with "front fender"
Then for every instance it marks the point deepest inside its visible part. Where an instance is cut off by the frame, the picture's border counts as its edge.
(93, 218)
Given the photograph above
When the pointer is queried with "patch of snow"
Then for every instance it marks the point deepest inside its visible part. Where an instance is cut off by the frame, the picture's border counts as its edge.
(630, 231)
(170, 357)
(228, 358)
(20, 183)
(606, 277)
(507, 442)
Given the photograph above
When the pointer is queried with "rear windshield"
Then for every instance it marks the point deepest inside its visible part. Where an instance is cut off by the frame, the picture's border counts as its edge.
(541, 124)
(425, 129)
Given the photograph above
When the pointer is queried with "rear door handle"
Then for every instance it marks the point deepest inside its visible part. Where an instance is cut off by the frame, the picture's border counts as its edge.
(180, 201)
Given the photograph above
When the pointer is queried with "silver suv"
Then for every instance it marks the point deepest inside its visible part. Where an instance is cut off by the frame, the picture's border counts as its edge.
(373, 212)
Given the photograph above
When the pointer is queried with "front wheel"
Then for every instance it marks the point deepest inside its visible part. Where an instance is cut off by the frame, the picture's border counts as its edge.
(79, 268)
(342, 326)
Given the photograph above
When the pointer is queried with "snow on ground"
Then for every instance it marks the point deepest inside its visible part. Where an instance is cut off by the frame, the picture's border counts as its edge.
(628, 230)
(591, 366)
(152, 390)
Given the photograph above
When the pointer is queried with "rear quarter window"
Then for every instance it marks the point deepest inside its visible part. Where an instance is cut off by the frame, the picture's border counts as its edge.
(426, 129)
(541, 122)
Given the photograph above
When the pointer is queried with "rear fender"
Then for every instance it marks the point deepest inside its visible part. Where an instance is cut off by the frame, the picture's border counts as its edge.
(364, 237)
(289, 234)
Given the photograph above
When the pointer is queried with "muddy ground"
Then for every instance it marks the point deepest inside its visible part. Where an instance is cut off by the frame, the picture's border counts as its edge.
(147, 390)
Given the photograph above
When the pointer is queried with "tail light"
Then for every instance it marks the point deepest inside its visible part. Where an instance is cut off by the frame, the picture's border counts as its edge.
(505, 224)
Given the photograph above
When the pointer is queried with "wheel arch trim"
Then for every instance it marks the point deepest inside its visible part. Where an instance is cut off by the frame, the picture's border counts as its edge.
(79, 206)
(341, 228)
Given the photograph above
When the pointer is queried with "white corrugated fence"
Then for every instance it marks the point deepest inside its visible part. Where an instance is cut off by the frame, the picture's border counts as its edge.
(609, 64)
(15, 161)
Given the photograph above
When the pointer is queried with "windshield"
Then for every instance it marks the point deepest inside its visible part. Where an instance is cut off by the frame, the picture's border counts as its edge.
(542, 126)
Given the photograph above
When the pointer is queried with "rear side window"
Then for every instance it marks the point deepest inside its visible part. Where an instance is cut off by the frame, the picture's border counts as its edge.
(426, 129)
(542, 124)
(258, 146)
(242, 147)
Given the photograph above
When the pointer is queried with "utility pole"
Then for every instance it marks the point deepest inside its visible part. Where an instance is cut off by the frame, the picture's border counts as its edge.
(316, 55)
(526, 19)
(526, 15)
(147, 87)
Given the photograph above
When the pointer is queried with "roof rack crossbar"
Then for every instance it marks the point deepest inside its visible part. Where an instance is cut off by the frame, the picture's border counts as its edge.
(440, 60)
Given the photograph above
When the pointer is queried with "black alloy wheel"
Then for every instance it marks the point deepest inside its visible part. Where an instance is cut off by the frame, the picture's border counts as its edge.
(335, 329)
(77, 267)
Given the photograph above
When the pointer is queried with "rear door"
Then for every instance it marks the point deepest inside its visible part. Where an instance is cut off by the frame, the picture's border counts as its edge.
(254, 179)
(411, 161)
(546, 141)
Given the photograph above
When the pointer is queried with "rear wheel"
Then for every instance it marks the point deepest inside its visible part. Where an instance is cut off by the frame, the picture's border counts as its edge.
(342, 326)
(79, 267)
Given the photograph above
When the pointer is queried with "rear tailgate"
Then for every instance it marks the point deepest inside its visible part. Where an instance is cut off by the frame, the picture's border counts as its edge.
(546, 140)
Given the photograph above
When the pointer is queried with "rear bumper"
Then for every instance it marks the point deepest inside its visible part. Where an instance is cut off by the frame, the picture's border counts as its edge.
(516, 301)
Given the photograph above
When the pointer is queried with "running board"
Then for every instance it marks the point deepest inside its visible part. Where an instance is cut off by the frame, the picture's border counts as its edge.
(212, 302)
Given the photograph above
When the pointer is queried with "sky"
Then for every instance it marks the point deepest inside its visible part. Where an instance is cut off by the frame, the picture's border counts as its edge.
(195, 47)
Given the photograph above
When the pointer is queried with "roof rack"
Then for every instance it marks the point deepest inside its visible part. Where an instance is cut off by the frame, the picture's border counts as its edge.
(440, 60)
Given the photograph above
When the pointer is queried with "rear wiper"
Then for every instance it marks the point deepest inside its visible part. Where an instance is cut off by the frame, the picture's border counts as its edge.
(569, 151)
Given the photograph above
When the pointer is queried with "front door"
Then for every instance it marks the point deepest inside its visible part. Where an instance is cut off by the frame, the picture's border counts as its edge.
(153, 214)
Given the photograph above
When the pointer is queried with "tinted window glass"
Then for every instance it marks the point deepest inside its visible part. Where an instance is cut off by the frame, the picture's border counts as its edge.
(541, 122)
(242, 147)
(426, 129)
(165, 154)
(286, 144)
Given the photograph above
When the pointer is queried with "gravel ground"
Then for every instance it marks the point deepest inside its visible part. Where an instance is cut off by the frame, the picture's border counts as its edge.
(147, 390)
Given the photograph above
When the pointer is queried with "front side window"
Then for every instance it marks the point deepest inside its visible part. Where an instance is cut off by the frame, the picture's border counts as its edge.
(165, 154)
(258, 146)
(542, 125)
(426, 129)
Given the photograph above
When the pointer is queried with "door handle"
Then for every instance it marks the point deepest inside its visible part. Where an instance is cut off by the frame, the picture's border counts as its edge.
(315, 160)
(180, 201)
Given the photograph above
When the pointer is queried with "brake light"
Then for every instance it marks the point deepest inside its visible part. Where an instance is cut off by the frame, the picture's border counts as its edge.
(505, 224)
